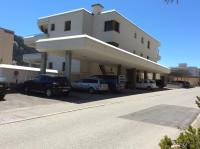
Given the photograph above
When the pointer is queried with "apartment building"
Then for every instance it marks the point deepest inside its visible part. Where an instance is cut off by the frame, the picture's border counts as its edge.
(6, 46)
(105, 42)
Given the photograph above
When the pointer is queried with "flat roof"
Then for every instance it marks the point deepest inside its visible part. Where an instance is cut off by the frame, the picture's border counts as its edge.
(6, 30)
(16, 67)
(97, 50)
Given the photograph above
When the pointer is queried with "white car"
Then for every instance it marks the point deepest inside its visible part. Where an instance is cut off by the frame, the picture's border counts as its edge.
(91, 85)
(146, 84)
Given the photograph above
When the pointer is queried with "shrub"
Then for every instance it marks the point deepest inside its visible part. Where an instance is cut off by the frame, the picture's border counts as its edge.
(198, 101)
(189, 139)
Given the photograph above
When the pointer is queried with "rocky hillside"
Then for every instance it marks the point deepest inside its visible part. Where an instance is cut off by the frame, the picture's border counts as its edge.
(19, 49)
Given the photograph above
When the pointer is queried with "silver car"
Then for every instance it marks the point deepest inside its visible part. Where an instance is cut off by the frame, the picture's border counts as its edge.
(146, 84)
(91, 85)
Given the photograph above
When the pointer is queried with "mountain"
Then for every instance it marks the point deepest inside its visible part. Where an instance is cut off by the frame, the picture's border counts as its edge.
(19, 49)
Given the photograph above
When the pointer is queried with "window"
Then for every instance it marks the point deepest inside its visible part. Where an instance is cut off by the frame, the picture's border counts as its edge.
(50, 66)
(142, 40)
(148, 45)
(90, 81)
(135, 35)
(141, 54)
(112, 25)
(114, 44)
(52, 27)
(63, 66)
(67, 25)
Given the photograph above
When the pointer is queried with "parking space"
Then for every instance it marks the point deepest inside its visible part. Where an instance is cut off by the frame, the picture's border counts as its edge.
(17, 100)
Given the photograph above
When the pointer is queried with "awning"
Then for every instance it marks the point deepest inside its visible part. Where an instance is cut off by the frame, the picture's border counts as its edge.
(85, 47)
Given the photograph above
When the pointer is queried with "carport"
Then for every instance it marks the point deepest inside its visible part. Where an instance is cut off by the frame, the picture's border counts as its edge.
(84, 47)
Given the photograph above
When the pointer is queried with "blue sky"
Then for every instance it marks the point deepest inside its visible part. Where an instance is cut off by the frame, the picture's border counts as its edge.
(177, 27)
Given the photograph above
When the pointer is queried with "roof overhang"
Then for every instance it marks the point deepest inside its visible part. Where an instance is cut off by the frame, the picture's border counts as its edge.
(88, 48)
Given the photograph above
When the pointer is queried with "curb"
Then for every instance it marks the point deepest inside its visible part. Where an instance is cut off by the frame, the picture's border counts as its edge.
(57, 113)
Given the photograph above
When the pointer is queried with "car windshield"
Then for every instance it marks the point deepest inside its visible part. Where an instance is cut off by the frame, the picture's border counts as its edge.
(60, 79)
(102, 82)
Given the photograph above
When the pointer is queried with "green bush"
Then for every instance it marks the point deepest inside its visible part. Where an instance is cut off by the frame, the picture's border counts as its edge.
(189, 139)
(198, 101)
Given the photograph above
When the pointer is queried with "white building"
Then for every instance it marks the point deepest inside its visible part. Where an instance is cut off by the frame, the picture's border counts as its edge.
(105, 42)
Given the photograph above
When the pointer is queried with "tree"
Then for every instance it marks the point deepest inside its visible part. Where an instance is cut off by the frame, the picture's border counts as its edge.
(171, 1)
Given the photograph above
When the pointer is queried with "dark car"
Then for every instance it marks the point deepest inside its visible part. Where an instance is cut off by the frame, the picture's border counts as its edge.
(161, 83)
(185, 84)
(48, 85)
(3, 88)
(115, 83)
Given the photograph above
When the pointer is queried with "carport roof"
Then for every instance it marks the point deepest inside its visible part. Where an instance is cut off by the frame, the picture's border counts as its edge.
(89, 48)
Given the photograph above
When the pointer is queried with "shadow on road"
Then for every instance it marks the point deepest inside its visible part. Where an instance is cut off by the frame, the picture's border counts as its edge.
(83, 97)
(79, 97)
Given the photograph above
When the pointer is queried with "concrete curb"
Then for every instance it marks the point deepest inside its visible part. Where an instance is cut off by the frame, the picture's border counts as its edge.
(57, 113)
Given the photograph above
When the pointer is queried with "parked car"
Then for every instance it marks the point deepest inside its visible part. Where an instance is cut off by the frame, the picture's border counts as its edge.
(146, 84)
(161, 83)
(48, 84)
(185, 84)
(92, 85)
(115, 83)
(3, 88)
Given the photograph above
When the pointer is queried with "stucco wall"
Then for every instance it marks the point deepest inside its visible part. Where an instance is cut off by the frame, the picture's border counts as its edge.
(6, 46)
(125, 38)
(23, 75)
(83, 22)
(76, 19)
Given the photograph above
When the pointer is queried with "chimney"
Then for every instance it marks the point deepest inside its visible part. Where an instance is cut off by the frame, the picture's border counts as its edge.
(97, 9)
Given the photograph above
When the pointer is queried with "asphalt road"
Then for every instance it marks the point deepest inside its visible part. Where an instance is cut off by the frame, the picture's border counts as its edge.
(137, 123)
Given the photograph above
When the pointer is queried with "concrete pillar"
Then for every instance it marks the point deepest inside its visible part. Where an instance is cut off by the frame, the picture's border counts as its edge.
(134, 78)
(138, 77)
(154, 76)
(43, 64)
(131, 75)
(145, 75)
(119, 70)
(68, 64)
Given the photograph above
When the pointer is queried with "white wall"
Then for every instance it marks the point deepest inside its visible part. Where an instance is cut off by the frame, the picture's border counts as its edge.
(76, 19)
(83, 22)
(125, 38)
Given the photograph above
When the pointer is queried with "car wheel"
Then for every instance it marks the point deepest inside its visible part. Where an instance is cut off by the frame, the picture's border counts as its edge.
(149, 88)
(2, 97)
(91, 90)
(48, 93)
(26, 90)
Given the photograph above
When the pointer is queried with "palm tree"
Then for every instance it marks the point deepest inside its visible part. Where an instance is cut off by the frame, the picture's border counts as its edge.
(171, 1)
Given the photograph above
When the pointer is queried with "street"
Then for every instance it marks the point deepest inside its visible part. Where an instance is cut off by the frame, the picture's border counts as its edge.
(135, 122)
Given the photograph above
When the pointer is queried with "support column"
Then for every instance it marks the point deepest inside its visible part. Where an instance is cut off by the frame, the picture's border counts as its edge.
(145, 75)
(131, 75)
(134, 78)
(68, 63)
(138, 77)
(119, 70)
(154, 76)
(43, 64)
